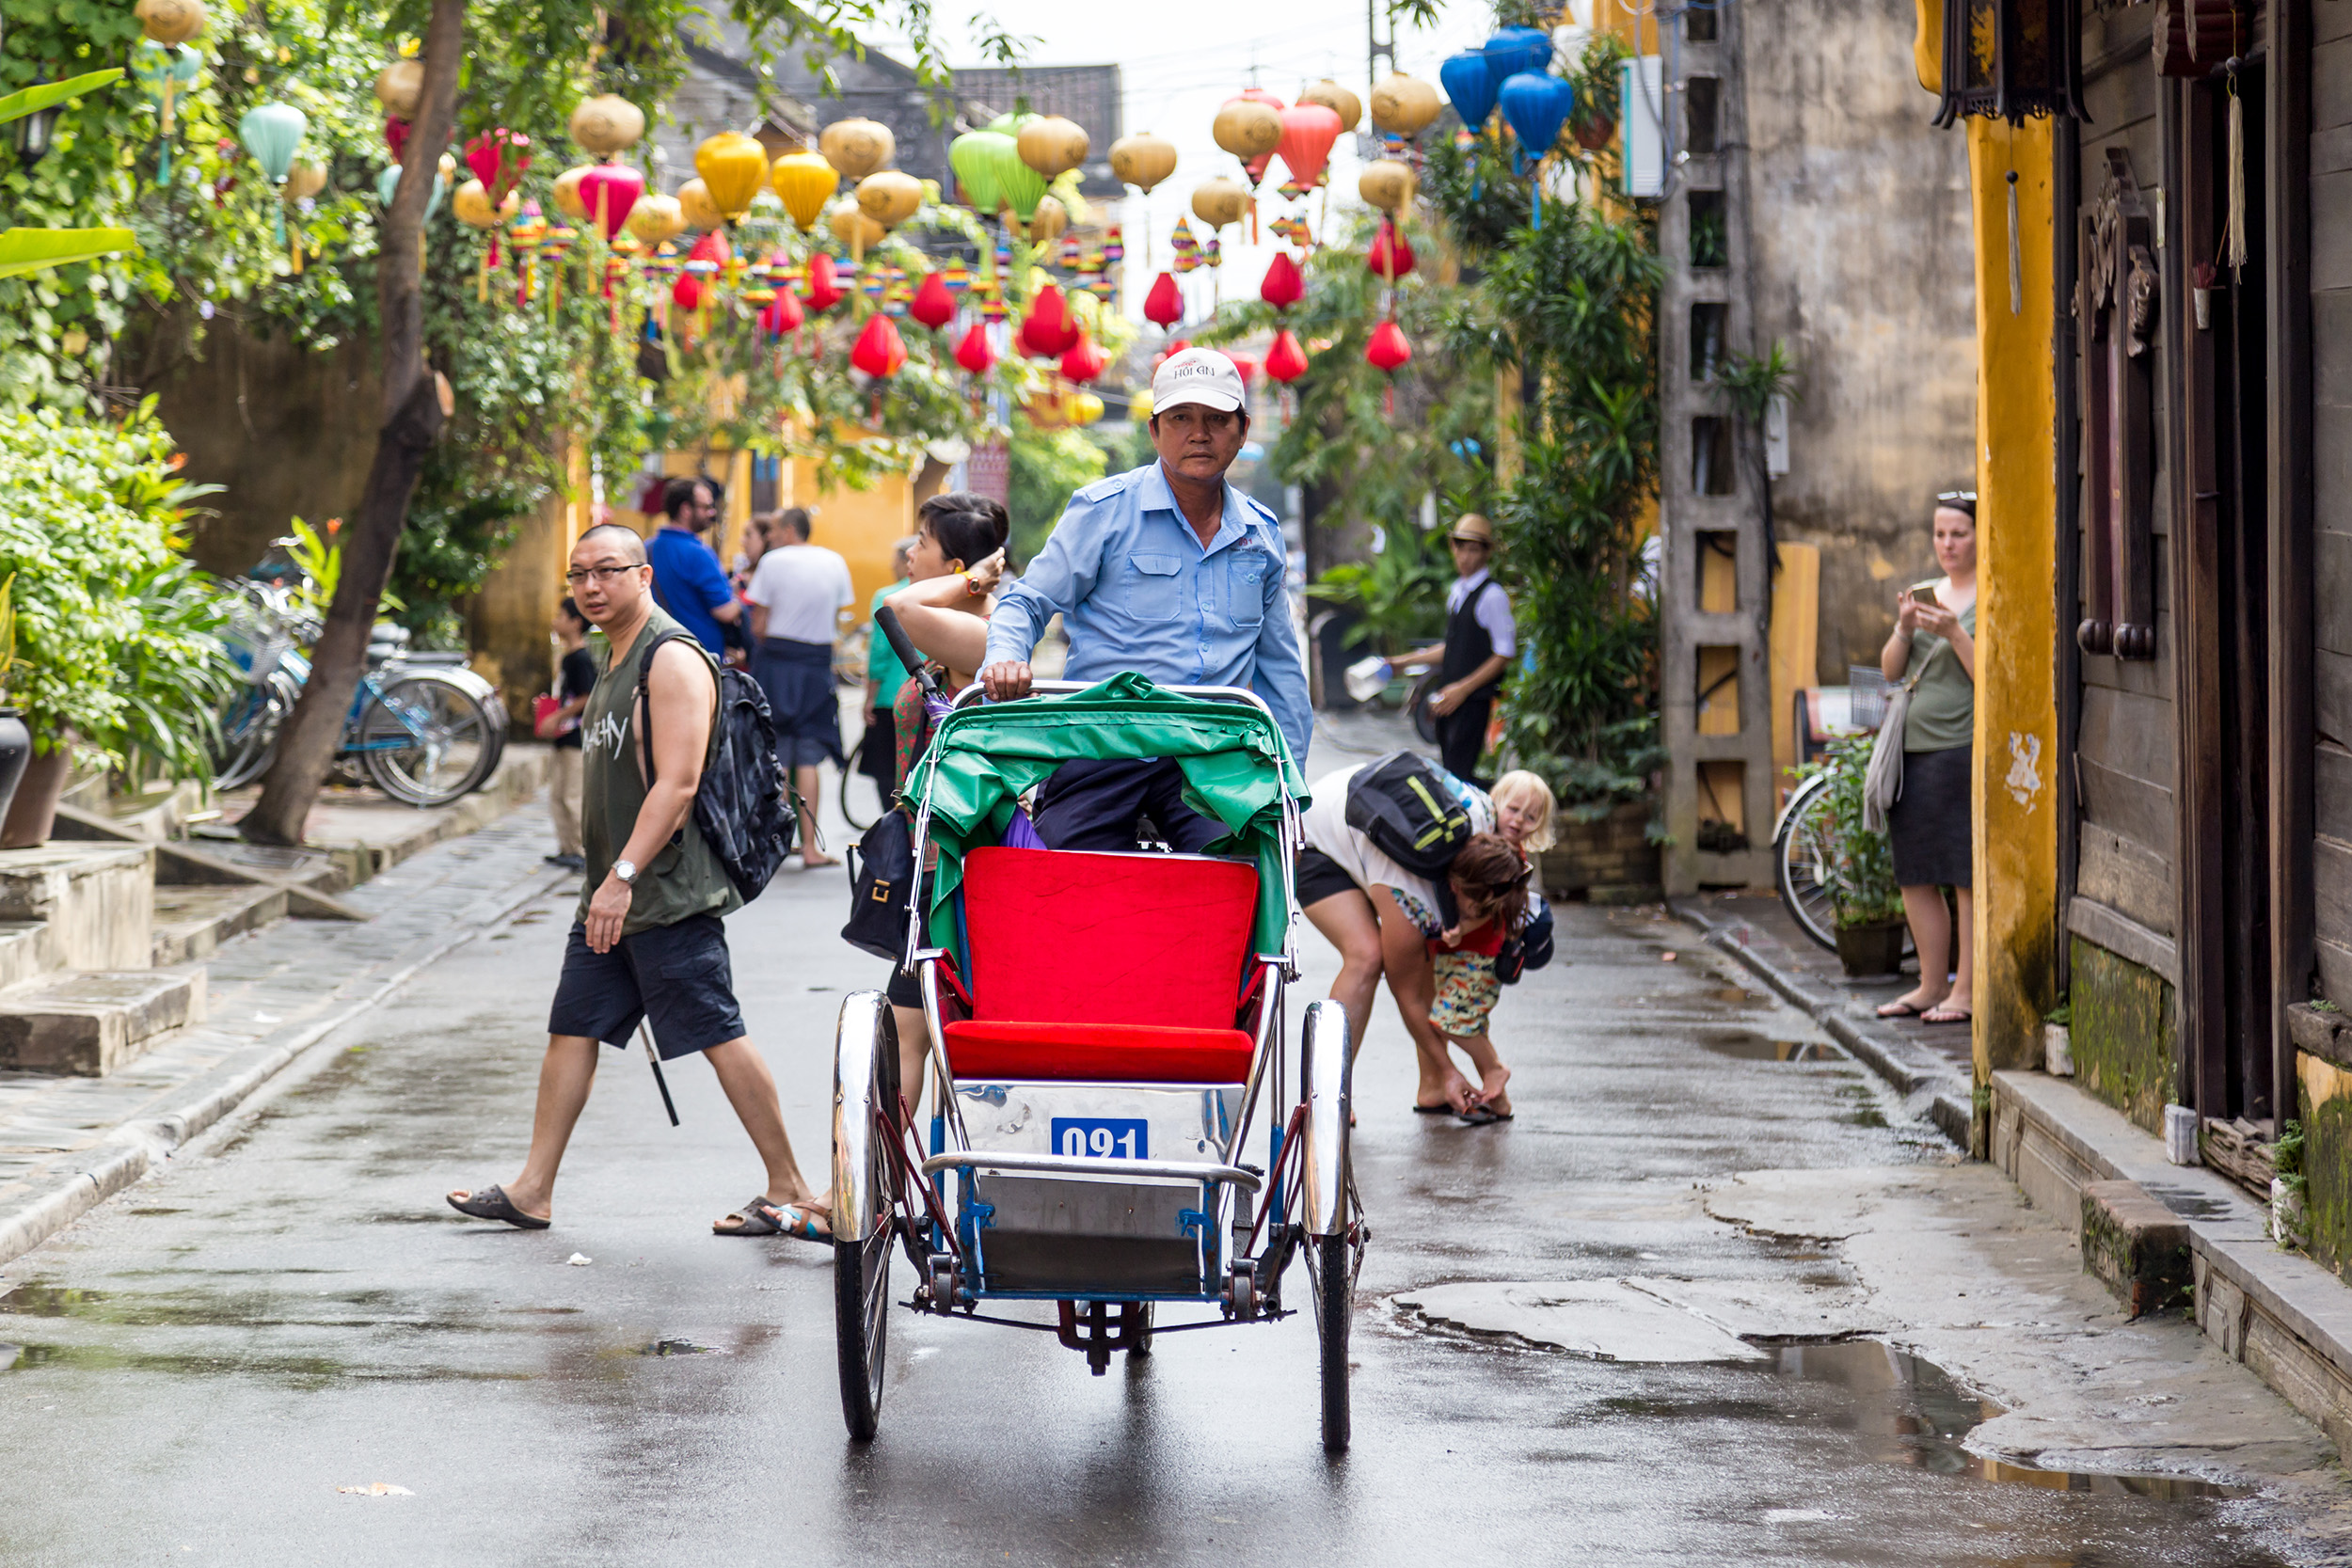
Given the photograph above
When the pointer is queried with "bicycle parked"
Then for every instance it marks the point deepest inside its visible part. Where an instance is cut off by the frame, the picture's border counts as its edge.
(423, 727)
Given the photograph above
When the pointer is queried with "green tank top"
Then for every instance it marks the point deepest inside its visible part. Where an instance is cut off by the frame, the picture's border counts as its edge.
(684, 880)
(1943, 715)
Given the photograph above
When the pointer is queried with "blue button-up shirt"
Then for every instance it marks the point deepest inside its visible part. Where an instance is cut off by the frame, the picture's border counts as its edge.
(1136, 591)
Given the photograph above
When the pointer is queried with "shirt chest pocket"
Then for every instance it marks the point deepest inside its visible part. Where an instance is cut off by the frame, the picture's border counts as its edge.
(1154, 587)
(1245, 589)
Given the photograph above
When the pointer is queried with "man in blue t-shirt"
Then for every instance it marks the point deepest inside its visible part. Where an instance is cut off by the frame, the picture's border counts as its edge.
(688, 580)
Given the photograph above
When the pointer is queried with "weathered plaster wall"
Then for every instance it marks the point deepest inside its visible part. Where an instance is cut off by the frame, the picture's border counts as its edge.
(2326, 1111)
(2122, 1034)
(1860, 264)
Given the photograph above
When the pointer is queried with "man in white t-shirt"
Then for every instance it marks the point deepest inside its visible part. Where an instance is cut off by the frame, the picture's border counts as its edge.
(797, 595)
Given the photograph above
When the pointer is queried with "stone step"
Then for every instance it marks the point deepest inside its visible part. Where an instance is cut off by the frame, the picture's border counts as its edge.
(25, 951)
(192, 921)
(90, 1023)
(96, 898)
(2136, 1245)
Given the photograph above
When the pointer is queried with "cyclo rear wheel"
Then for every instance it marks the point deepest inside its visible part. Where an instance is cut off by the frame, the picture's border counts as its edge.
(1327, 1189)
(865, 1203)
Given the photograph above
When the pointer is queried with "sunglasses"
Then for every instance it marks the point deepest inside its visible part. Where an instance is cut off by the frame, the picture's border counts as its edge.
(1946, 498)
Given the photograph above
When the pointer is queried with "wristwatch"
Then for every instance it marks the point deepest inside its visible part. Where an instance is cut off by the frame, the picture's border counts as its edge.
(626, 871)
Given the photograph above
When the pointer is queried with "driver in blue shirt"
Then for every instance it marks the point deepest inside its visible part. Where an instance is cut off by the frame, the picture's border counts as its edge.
(1168, 571)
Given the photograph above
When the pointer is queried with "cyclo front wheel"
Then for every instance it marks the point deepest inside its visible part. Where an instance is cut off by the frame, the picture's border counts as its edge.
(865, 1202)
(1328, 1194)
(427, 740)
(1801, 852)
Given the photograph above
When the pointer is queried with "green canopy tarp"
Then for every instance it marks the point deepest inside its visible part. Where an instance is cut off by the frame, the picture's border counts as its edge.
(1237, 769)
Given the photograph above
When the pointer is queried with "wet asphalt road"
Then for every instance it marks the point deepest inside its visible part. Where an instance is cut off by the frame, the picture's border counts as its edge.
(289, 1309)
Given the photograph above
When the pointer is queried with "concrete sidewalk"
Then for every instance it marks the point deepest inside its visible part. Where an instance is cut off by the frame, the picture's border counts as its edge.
(68, 1143)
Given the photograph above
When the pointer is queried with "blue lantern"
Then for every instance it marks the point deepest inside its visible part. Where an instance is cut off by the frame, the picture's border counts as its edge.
(1514, 50)
(1535, 106)
(1470, 81)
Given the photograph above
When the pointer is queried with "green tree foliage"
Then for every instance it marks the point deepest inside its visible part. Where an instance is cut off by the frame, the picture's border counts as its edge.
(1854, 863)
(1048, 465)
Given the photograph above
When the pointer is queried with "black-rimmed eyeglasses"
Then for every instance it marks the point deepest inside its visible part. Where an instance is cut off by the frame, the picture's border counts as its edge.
(602, 574)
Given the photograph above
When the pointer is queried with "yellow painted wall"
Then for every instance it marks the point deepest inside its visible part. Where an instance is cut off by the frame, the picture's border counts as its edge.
(864, 524)
(2016, 740)
(510, 619)
(1795, 647)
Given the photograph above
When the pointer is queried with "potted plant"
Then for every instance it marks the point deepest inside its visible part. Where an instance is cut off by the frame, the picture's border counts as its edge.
(1857, 866)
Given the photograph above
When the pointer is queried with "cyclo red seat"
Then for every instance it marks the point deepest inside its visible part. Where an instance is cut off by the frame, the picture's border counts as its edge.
(1116, 967)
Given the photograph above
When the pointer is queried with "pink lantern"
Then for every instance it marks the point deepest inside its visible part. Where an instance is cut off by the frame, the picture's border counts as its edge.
(1308, 131)
(609, 192)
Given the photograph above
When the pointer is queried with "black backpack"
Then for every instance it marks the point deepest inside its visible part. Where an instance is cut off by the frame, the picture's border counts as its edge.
(1407, 806)
(881, 888)
(745, 805)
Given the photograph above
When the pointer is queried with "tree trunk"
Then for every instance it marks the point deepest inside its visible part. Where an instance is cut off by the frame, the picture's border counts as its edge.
(413, 417)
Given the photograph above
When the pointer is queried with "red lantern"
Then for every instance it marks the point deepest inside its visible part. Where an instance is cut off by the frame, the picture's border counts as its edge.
(1242, 362)
(1283, 287)
(1387, 351)
(822, 294)
(1285, 361)
(781, 315)
(1163, 307)
(711, 247)
(879, 350)
(1308, 131)
(932, 305)
(1391, 257)
(1083, 362)
(976, 353)
(498, 159)
(610, 192)
(395, 134)
(687, 292)
(1047, 328)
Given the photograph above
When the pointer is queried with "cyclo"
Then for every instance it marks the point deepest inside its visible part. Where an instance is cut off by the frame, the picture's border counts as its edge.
(1104, 1027)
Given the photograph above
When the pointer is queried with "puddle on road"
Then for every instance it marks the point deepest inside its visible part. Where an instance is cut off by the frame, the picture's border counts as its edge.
(1750, 1045)
(679, 1347)
(1921, 1415)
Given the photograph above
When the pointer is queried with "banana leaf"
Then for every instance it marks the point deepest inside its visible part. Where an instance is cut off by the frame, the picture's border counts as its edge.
(16, 105)
(31, 249)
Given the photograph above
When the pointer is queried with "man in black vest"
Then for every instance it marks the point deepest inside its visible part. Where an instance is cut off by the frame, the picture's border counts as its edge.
(1481, 639)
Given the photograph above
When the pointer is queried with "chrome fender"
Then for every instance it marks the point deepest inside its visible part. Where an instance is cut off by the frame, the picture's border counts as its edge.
(1325, 1075)
(865, 1057)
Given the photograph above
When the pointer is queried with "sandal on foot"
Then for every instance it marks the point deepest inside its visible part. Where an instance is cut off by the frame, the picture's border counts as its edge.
(1901, 1010)
(1438, 1110)
(1484, 1116)
(491, 1203)
(1945, 1015)
(758, 1217)
(799, 1221)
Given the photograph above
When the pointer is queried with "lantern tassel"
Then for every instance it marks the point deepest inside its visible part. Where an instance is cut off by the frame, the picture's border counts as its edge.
(163, 167)
(2234, 236)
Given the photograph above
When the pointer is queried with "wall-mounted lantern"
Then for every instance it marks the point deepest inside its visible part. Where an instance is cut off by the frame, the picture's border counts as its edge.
(2011, 60)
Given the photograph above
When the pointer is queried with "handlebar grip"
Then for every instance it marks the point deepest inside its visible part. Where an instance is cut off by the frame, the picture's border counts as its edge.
(887, 619)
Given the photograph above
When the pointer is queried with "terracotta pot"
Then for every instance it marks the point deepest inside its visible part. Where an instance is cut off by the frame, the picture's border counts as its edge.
(1595, 134)
(33, 807)
(1871, 950)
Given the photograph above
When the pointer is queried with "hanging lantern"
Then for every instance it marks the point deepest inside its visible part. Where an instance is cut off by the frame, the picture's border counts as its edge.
(693, 201)
(889, 197)
(396, 138)
(1337, 98)
(472, 206)
(304, 181)
(879, 351)
(957, 275)
(1018, 187)
(1285, 361)
(270, 133)
(608, 193)
(656, 219)
(1082, 408)
(1388, 353)
(1143, 160)
(1247, 128)
(733, 166)
(498, 158)
(388, 186)
(853, 228)
(1114, 246)
(566, 193)
(687, 292)
(973, 157)
(1082, 361)
(1282, 286)
(165, 70)
(1163, 307)
(1470, 81)
(856, 148)
(1514, 50)
(804, 181)
(169, 22)
(976, 354)
(1048, 328)
(932, 305)
(2009, 59)
(400, 88)
(1536, 106)
(607, 124)
(1391, 257)
(1387, 184)
(1052, 146)
(1308, 131)
(1047, 222)
(1219, 201)
(782, 314)
(821, 294)
(1404, 106)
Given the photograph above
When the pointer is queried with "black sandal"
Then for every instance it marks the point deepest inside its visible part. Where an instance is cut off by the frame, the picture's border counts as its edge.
(491, 1203)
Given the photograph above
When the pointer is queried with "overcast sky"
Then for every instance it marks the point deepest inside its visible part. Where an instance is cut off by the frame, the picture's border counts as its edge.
(1179, 63)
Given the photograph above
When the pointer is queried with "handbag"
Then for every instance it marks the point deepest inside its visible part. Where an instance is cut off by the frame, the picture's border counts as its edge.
(881, 888)
(1882, 781)
(544, 709)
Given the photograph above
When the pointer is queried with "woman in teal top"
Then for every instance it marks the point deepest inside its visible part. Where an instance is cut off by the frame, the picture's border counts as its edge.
(885, 676)
(1933, 651)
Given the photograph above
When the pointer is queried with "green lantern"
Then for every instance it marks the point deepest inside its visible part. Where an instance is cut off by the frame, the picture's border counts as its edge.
(388, 181)
(1019, 186)
(975, 168)
(271, 133)
(164, 71)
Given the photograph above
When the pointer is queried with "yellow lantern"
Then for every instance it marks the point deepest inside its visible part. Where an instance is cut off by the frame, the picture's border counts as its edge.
(1388, 185)
(733, 167)
(472, 203)
(889, 197)
(1220, 201)
(1337, 98)
(400, 88)
(1052, 146)
(1082, 408)
(303, 180)
(1247, 128)
(853, 228)
(693, 199)
(656, 219)
(567, 200)
(856, 146)
(804, 181)
(1143, 160)
(1404, 106)
(169, 21)
(607, 124)
(1047, 223)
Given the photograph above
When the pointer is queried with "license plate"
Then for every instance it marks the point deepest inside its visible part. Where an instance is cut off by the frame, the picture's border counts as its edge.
(1103, 1137)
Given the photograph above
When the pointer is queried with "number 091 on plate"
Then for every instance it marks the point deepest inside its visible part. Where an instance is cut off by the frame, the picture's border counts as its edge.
(1103, 1137)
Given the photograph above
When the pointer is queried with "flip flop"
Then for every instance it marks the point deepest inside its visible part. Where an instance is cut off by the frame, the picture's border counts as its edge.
(491, 1203)
(1481, 1115)
(1901, 1010)
(799, 1221)
(1950, 1014)
(1433, 1110)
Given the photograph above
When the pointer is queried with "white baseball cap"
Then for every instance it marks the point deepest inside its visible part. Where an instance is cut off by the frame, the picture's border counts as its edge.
(1201, 375)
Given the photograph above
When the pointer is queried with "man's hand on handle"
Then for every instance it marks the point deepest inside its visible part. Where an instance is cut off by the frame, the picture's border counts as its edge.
(1007, 680)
